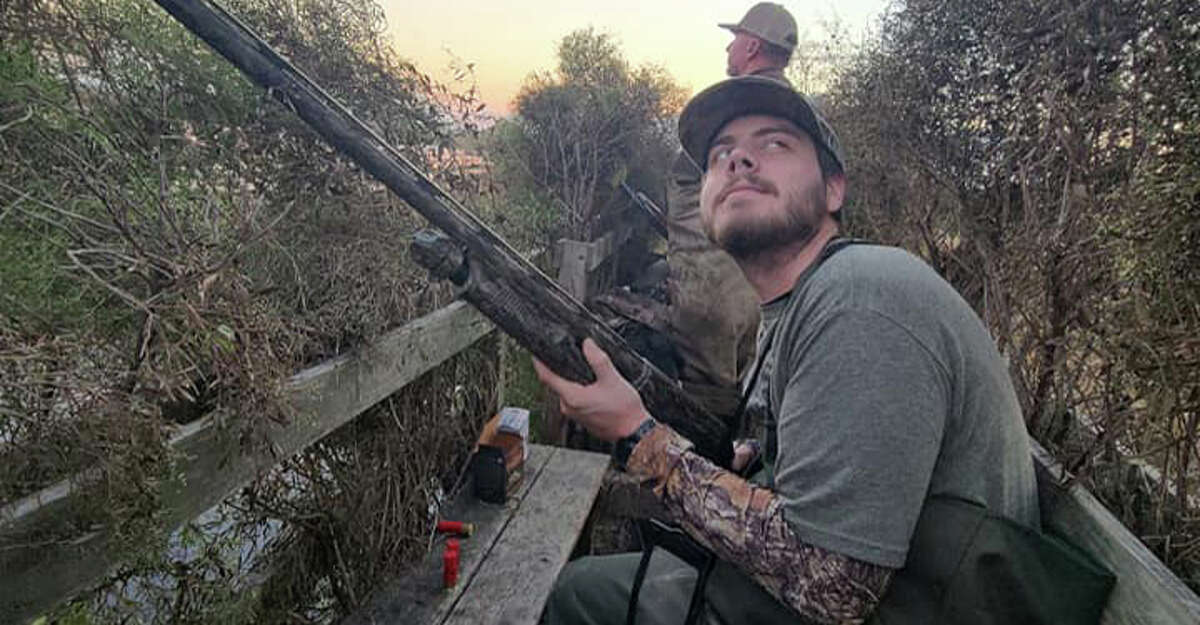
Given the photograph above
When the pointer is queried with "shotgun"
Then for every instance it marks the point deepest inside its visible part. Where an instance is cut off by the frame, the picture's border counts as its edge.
(657, 217)
(508, 289)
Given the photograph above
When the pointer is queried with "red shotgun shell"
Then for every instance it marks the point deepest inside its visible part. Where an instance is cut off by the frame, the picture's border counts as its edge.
(456, 527)
(450, 564)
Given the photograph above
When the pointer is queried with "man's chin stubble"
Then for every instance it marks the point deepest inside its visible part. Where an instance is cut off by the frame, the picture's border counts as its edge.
(753, 243)
(760, 240)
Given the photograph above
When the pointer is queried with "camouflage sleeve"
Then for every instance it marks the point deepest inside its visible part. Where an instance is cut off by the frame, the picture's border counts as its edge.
(743, 524)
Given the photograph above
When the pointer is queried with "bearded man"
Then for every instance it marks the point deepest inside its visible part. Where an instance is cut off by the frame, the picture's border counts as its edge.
(879, 390)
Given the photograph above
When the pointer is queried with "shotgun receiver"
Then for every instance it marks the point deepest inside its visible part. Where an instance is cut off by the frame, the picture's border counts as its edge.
(492, 276)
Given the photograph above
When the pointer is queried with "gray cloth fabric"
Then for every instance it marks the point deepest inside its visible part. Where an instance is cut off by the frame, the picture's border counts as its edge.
(883, 387)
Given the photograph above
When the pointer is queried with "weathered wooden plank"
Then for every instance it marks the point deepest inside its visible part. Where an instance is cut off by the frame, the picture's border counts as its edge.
(1147, 592)
(35, 576)
(417, 596)
(512, 584)
(508, 566)
(573, 260)
(573, 276)
(610, 244)
(580, 257)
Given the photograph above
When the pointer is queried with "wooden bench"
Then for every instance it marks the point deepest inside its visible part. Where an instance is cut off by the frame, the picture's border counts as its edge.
(509, 565)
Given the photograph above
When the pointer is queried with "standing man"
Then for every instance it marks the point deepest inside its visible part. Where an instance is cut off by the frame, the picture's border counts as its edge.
(882, 396)
(713, 317)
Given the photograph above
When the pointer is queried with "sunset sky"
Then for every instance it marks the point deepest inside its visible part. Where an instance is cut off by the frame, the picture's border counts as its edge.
(508, 39)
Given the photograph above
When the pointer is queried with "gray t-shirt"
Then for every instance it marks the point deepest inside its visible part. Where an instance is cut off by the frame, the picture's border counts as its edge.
(882, 387)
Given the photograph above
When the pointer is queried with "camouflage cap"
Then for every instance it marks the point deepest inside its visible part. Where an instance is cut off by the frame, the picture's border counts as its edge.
(729, 99)
(770, 22)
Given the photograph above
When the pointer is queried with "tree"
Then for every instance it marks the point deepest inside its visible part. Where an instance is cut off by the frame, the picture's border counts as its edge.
(589, 125)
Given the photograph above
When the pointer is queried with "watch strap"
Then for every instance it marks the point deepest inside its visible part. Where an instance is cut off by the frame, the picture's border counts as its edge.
(623, 448)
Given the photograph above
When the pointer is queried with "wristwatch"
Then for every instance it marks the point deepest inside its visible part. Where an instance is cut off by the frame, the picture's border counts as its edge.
(624, 446)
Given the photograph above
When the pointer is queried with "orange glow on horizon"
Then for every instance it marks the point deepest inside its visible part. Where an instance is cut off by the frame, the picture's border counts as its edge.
(507, 41)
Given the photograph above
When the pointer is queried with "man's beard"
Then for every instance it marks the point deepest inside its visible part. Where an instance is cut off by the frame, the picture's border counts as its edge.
(745, 238)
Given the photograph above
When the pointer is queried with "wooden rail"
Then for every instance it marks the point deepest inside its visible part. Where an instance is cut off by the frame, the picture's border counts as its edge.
(35, 576)
(1147, 592)
(578, 259)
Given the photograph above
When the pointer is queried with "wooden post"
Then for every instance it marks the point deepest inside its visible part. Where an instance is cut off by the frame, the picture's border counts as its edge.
(575, 259)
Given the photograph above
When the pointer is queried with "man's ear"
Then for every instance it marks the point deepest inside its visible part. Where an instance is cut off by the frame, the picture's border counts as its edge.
(835, 192)
(753, 47)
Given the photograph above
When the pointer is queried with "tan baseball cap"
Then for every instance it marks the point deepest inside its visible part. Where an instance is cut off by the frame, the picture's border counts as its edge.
(730, 99)
(770, 22)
